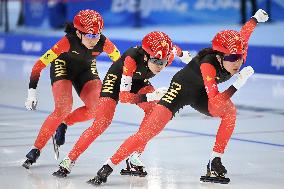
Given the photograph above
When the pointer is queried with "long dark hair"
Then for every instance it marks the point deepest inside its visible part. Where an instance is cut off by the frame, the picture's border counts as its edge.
(69, 28)
(206, 51)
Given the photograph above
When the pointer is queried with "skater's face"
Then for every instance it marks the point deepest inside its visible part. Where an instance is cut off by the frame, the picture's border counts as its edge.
(232, 63)
(156, 65)
(89, 40)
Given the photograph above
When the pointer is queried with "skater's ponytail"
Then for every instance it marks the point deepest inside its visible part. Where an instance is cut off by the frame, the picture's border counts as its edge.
(69, 28)
(207, 51)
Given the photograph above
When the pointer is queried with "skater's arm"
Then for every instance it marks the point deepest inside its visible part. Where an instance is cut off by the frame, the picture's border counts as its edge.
(246, 32)
(60, 47)
(125, 96)
(209, 74)
(248, 28)
(184, 56)
(111, 50)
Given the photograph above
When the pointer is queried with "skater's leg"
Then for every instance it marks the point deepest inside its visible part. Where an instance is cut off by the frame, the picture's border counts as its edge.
(228, 121)
(104, 112)
(147, 107)
(153, 126)
(89, 95)
(134, 165)
(227, 113)
(62, 93)
(150, 128)
(104, 115)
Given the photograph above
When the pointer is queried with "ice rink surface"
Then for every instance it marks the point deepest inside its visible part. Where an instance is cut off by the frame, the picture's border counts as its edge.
(177, 157)
(174, 159)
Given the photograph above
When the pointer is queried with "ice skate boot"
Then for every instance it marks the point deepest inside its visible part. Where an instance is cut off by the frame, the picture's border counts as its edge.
(102, 175)
(60, 134)
(32, 157)
(65, 167)
(134, 166)
(215, 172)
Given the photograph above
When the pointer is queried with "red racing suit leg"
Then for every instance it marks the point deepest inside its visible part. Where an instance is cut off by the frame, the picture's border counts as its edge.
(62, 94)
(90, 95)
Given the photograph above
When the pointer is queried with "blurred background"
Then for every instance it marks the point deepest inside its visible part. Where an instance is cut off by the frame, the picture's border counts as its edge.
(30, 27)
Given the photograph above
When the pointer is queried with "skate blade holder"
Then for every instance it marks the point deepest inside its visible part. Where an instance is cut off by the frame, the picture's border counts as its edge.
(59, 175)
(96, 181)
(133, 173)
(27, 164)
(218, 179)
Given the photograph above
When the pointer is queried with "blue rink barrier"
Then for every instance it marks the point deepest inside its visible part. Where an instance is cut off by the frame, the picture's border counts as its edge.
(264, 59)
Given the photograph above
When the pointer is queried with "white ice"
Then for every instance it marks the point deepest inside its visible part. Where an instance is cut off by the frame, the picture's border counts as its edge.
(174, 159)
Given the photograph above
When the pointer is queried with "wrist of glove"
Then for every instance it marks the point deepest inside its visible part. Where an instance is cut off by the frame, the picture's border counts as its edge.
(31, 101)
(186, 57)
(243, 76)
(261, 16)
(157, 94)
(177, 50)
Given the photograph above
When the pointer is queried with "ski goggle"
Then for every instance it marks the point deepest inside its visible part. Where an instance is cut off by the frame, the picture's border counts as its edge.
(159, 62)
(92, 36)
(233, 57)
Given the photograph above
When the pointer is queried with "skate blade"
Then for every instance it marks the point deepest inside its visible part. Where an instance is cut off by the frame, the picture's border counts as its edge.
(59, 175)
(220, 180)
(27, 164)
(95, 181)
(133, 173)
(55, 148)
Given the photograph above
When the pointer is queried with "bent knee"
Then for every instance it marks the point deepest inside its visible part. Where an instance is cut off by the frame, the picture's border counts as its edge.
(62, 111)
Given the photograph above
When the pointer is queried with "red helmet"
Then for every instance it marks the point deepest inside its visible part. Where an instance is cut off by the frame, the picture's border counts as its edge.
(88, 21)
(228, 42)
(157, 45)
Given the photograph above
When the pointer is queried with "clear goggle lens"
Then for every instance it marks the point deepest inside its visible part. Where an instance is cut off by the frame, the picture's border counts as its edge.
(159, 62)
(92, 36)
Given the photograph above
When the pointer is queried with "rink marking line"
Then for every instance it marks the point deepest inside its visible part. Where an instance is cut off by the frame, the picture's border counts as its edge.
(99, 141)
(232, 138)
(258, 132)
(102, 141)
(166, 129)
(69, 135)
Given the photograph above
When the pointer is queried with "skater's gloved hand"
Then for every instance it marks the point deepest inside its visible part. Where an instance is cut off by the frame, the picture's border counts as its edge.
(177, 51)
(261, 16)
(243, 76)
(157, 94)
(31, 101)
(186, 57)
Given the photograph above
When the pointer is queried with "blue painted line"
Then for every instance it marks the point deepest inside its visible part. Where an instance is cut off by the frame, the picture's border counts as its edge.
(166, 129)
(232, 138)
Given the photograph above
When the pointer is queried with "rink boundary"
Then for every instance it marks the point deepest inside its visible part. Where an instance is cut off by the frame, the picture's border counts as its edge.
(166, 129)
(106, 65)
